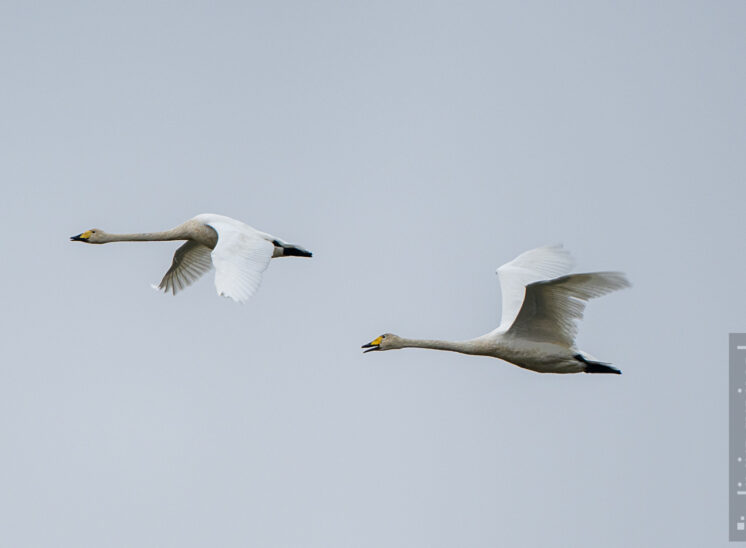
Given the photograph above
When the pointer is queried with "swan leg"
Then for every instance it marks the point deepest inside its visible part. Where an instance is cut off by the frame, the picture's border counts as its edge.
(283, 249)
(596, 367)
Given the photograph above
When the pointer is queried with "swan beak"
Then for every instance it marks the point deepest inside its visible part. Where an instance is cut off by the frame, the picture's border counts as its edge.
(373, 345)
(81, 237)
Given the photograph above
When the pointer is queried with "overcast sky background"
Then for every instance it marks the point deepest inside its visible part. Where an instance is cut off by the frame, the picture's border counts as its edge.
(413, 147)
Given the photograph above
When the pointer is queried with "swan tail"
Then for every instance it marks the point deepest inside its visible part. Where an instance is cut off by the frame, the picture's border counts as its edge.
(596, 367)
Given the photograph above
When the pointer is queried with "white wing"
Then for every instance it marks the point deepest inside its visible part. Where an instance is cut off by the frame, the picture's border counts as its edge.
(551, 308)
(240, 257)
(543, 263)
(190, 262)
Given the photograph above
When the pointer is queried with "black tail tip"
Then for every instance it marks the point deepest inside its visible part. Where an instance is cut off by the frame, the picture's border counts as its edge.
(596, 367)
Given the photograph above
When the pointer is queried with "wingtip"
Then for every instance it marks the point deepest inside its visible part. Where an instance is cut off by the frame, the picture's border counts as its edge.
(552, 257)
(620, 278)
(164, 289)
(233, 298)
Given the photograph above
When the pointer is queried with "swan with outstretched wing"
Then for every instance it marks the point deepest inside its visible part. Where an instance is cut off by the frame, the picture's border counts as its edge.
(541, 304)
(239, 253)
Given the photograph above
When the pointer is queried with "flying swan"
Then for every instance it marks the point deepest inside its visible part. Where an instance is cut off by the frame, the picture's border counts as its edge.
(541, 302)
(239, 253)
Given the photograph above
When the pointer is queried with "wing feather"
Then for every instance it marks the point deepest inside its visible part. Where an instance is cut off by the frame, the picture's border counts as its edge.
(240, 257)
(190, 262)
(543, 263)
(551, 308)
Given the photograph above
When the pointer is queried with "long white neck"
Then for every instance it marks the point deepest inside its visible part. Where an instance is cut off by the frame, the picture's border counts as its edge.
(465, 347)
(166, 235)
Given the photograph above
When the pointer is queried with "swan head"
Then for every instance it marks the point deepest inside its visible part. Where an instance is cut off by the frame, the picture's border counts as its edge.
(92, 236)
(387, 341)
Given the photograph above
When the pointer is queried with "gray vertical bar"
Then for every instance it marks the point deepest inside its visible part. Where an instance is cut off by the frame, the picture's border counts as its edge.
(737, 453)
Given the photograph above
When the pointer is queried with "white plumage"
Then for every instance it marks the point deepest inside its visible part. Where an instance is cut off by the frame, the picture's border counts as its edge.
(239, 253)
(240, 257)
(541, 304)
(543, 263)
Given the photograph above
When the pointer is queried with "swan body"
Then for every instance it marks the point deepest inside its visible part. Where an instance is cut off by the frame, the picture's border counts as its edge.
(541, 303)
(239, 253)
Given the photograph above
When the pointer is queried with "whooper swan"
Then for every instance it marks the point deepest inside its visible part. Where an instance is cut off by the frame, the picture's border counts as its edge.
(239, 253)
(540, 305)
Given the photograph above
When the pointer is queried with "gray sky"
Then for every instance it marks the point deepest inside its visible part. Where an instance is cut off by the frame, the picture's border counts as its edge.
(414, 147)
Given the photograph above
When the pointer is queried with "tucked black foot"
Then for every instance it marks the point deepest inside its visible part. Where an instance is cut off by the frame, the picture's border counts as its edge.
(289, 250)
(596, 367)
(295, 252)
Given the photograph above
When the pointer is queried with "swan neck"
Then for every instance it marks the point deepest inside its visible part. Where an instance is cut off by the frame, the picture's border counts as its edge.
(453, 346)
(164, 236)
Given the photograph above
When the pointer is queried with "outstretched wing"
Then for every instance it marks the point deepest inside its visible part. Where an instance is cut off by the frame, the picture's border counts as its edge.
(190, 262)
(543, 263)
(240, 257)
(551, 308)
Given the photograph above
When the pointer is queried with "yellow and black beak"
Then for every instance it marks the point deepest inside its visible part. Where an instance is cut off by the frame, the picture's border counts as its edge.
(82, 237)
(373, 345)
